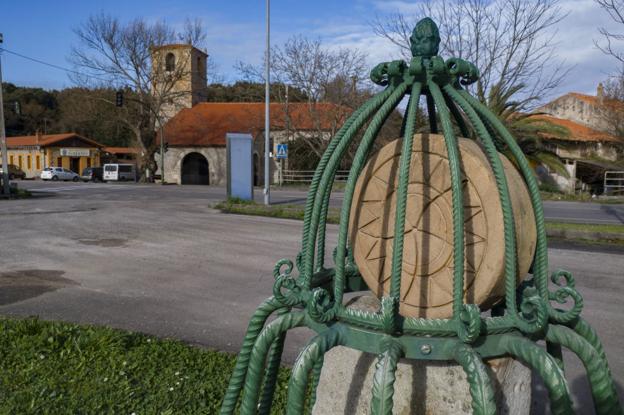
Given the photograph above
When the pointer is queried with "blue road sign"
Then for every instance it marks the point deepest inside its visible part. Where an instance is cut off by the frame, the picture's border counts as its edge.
(281, 151)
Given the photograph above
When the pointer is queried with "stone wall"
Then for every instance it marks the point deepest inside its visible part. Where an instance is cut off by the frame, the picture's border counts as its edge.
(586, 150)
(570, 107)
(217, 163)
(186, 85)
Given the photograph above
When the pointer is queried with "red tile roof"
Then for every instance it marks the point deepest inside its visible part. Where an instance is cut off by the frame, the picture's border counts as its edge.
(590, 99)
(594, 100)
(46, 140)
(578, 132)
(206, 124)
(176, 46)
(121, 150)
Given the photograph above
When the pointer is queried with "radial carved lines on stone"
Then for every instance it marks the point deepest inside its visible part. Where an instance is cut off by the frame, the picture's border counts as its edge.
(427, 267)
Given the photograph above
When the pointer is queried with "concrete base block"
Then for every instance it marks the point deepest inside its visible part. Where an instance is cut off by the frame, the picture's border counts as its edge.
(421, 387)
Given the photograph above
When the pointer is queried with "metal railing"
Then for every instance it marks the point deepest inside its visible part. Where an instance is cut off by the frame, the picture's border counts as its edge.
(305, 176)
(614, 183)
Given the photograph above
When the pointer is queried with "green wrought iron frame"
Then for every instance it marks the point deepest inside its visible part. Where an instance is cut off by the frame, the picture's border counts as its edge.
(313, 297)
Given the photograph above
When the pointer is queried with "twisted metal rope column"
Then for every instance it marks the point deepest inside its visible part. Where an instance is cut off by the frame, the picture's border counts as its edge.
(359, 160)
(239, 373)
(326, 173)
(483, 402)
(468, 313)
(273, 365)
(316, 378)
(319, 345)
(541, 254)
(390, 305)
(511, 273)
(383, 381)
(540, 361)
(602, 386)
(253, 381)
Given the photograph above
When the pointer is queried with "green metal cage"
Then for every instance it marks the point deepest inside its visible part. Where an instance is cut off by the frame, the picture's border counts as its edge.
(313, 294)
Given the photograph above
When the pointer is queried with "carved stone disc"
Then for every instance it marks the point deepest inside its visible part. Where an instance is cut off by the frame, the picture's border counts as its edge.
(427, 273)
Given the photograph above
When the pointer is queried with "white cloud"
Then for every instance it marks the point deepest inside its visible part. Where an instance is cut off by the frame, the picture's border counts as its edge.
(575, 36)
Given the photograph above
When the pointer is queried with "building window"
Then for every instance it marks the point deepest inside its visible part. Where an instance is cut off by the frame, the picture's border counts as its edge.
(11, 161)
(28, 162)
(200, 69)
(38, 162)
(59, 162)
(88, 161)
(170, 62)
(19, 162)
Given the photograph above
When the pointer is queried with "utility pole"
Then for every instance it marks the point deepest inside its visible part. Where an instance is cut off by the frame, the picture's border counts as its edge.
(162, 152)
(267, 111)
(6, 189)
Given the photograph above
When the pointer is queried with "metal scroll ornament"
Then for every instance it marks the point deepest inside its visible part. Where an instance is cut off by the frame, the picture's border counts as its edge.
(312, 295)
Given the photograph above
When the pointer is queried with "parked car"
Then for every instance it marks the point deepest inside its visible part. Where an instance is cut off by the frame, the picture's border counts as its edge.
(59, 173)
(92, 174)
(14, 172)
(119, 172)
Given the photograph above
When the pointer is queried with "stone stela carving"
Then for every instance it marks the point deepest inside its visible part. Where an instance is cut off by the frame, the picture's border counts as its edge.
(440, 228)
(427, 277)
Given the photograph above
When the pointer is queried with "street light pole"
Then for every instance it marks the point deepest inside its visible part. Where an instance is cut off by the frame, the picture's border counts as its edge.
(3, 145)
(162, 152)
(267, 103)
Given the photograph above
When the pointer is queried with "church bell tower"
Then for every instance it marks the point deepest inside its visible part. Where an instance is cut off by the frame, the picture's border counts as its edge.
(179, 77)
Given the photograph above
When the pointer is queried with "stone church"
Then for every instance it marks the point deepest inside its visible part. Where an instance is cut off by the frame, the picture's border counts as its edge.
(195, 130)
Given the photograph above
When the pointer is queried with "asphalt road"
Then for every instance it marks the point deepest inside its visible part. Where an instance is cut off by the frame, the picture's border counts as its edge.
(157, 259)
(576, 212)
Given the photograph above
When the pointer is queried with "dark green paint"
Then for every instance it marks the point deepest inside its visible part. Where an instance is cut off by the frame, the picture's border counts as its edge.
(316, 290)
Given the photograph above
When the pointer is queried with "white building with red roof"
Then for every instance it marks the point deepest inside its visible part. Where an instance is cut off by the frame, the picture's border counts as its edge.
(591, 148)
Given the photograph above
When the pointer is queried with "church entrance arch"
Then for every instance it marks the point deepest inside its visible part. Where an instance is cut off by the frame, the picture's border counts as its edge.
(195, 169)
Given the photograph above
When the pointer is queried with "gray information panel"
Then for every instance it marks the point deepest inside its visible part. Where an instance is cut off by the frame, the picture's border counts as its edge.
(239, 166)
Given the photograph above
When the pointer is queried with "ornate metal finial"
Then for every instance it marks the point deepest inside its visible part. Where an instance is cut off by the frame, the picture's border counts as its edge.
(425, 39)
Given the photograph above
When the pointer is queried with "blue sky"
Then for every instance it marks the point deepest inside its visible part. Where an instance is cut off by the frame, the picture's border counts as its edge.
(43, 30)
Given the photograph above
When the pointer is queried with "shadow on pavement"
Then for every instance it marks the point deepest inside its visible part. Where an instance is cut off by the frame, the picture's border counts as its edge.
(16, 286)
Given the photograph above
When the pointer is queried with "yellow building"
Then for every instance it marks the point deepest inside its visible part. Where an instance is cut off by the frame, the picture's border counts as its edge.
(33, 153)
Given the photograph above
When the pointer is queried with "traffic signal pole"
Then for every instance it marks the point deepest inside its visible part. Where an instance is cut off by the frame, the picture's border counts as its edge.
(6, 189)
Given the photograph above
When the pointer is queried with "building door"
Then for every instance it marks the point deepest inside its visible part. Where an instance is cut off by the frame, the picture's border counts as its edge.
(195, 169)
(256, 169)
(74, 164)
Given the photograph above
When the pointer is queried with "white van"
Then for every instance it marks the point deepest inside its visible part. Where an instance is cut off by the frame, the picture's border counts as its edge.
(119, 172)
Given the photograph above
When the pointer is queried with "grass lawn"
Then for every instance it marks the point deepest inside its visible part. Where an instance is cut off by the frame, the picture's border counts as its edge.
(583, 197)
(243, 207)
(61, 368)
(616, 230)
(578, 231)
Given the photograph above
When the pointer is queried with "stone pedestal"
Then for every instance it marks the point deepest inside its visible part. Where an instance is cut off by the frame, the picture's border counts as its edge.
(421, 387)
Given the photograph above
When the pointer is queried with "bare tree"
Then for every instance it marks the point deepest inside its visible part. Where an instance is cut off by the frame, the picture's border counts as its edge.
(324, 75)
(611, 110)
(611, 106)
(113, 54)
(615, 8)
(510, 41)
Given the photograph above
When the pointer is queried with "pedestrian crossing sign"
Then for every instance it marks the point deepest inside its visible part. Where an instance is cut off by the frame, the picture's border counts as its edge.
(281, 151)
